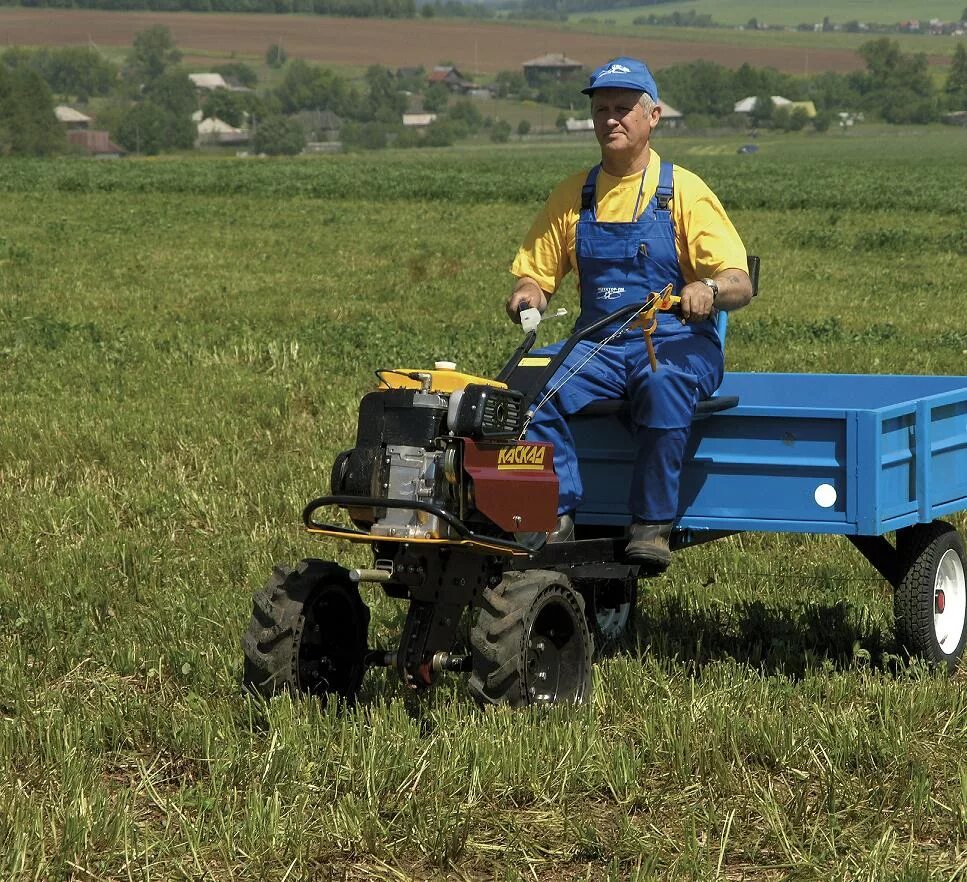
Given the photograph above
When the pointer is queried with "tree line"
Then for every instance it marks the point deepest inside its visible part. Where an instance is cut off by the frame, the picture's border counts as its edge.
(147, 102)
(896, 87)
(349, 8)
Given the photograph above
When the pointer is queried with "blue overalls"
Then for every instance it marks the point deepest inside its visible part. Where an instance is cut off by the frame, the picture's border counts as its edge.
(621, 263)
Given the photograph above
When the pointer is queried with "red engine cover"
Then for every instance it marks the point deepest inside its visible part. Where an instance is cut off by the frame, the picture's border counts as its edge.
(514, 484)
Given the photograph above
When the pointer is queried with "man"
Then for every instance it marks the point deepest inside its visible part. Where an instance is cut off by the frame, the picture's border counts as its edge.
(627, 228)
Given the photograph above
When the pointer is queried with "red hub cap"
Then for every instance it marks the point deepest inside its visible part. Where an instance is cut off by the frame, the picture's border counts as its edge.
(940, 601)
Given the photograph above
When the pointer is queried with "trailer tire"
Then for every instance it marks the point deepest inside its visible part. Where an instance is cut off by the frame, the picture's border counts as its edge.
(307, 634)
(930, 599)
(530, 642)
(610, 606)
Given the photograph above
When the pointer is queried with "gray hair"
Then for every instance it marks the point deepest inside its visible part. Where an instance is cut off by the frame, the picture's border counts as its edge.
(646, 103)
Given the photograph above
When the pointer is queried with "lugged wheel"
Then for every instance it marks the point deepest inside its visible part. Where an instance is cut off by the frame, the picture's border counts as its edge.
(308, 633)
(609, 606)
(530, 643)
(930, 602)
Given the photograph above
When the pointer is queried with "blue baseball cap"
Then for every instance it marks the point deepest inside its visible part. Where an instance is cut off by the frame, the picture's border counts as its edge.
(623, 73)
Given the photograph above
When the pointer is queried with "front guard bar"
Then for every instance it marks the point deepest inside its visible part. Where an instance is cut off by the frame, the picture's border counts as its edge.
(465, 534)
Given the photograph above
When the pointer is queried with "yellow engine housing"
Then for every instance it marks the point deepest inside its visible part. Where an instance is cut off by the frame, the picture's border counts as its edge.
(441, 381)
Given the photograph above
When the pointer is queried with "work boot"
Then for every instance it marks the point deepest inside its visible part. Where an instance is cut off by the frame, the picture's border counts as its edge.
(564, 531)
(648, 545)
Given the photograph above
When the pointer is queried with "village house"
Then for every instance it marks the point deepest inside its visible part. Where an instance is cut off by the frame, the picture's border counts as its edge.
(450, 77)
(553, 66)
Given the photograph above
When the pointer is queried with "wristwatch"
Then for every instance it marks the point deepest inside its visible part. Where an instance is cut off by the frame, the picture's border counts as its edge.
(714, 286)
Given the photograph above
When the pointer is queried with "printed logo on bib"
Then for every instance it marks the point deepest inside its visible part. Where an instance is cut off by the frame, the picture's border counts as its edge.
(609, 293)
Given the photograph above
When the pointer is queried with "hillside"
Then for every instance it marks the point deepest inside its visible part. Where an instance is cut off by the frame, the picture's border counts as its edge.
(477, 48)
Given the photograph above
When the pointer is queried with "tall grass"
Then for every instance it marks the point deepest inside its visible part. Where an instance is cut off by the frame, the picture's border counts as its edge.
(179, 365)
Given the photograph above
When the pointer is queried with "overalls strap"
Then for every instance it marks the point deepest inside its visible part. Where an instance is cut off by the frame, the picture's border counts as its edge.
(666, 189)
(588, 210)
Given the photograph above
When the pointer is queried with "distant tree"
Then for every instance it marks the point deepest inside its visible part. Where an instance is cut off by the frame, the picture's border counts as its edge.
(224, 105)
(700, 87)
(385, 102)
(279, 136)
(560, 92)
(822, 121)
(174, 92)
(370, 135)
(897, 86)
(832, 91)
(500, 133)
(141, 129)
(244, 74)
(955, 91)
(561, 122)
(73, 71)
(523, 128)
(275, 56)
(79, 71)
(466, 112)
(440, 133)
(28, 126)
(235, 108)
(793, 119)
(511, 82)
(310, 87)
(763, 111)
(153, 52)
(436, 96)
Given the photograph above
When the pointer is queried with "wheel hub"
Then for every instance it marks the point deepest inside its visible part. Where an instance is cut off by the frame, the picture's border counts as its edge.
(950, 602)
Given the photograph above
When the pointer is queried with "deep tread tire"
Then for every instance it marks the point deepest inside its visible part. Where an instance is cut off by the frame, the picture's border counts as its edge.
(610, 608)
(928, 554)
(308, 633)
(532, 623)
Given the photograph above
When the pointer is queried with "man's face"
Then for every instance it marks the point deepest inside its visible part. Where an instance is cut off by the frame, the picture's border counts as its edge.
(620, 122)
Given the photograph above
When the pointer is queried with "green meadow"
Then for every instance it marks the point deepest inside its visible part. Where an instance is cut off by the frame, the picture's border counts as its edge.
(183, 343)
(793, 12)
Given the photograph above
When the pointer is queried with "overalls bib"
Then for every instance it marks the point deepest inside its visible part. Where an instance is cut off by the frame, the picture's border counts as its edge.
(622, 263)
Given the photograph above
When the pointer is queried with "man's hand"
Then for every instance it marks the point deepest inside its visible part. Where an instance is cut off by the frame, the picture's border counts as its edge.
(735, 291)
(696, 302)
(527, 293)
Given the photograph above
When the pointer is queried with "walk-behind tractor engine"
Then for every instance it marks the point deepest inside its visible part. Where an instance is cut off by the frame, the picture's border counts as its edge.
(457, 508)
(447, 445)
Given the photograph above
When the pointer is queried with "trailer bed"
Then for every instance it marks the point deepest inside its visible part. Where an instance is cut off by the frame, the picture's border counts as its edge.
(850, 454)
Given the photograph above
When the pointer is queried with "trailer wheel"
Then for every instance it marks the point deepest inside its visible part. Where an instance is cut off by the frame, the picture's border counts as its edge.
(530, 643)
(930, 600)
(609, 606)
(308, 633)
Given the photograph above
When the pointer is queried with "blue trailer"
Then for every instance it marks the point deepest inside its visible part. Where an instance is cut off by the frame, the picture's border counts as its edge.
(456, 506)
(861, 456)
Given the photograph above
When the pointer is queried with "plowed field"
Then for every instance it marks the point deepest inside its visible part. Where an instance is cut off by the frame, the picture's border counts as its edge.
(473, 46)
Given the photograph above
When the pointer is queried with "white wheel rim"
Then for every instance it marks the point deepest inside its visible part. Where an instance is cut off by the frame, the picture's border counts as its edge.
(948, 622)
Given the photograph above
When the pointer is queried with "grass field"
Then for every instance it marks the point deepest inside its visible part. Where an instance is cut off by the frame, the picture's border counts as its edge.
(793, 12)
(182, 347)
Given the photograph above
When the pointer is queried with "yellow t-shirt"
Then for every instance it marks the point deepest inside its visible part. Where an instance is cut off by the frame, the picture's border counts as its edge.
(705, 239)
